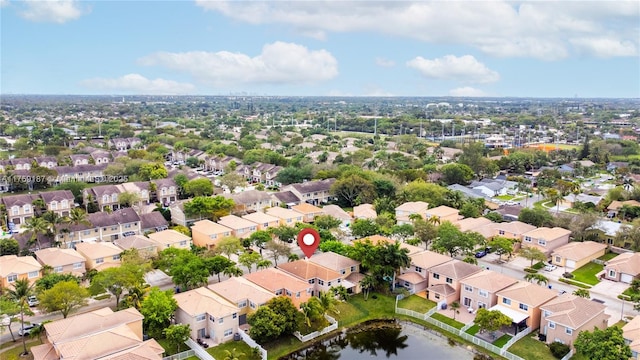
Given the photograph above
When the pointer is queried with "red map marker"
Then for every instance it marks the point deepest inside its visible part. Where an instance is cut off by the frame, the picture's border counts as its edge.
(308, 240)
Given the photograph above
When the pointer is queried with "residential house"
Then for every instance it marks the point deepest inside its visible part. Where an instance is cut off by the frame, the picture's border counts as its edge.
(19, 208)
(240, 228)
(66, 261)
(14, 268)
(623, 268)
(219, 163)
(467, 192)
(631, 335)
(59, 201)
(337, 212)
(99, 255)
(479, 290)
(287, 217)
(522, 301)
(102, 226)
(139, 188)
(382, 240)
(79, 159)
(510, 212)
(170, 238)
(493, 188)
(348, 268)
(443, 213)
(250, 200)
(263, 220)
(511, 230)
(364, 211)
(206, 233)
(469, 224)
(246, 295)
(48, 162)
(546, 239)
(308, 211)
(416, 277)
(98, 334)
(264, 173)
(178, 215)
(106, 196)
(153, 221)
(208, 314)
(404, 211)
(100, 157)
(84, 173)
(615, 206)
(21, 163)
(313, 192)
(146, 247)
(572, 199)
(166, 191)
(123, 144)
(575, 254)
(282, 284)
(444, 280)
(319, 277)
(564, 317)
(285, 199)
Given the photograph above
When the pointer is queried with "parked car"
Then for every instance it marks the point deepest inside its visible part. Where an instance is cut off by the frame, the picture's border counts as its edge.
(32, 301)
(550, 268)
(25, 331)
(483, 252)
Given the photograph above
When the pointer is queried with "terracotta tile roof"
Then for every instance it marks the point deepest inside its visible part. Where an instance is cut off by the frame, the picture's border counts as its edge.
(546, 233)
(235, 222)
(96, 346)
(364, 211)
(237, 289)
(44, 352)
(578, 250)
(307, 270)
(93, 322)
(631, 330)
(528, 293)
(273, 280)
(209, 227)
(489, 280)
(617, 205)
(572, 311)
(260, 218)
(442, 211)
(470, 224)
(12, 264)
(514, 227)
(627, 263)
(337, 212)
(97, 250)
(306, 208)
(412, 277)
(456, 269)
(148, 350)
(202, 300)
(59, 257)
(413, 206)
(135, 242)
(283, 213)
(428, 259)
(442, 289)
(333, 261)
(168, 237)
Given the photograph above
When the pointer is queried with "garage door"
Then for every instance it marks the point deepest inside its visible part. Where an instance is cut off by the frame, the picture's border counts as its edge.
(571, 264)
(626, 278)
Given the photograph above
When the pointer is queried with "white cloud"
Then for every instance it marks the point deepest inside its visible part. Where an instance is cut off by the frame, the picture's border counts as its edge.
(538, 29)
(138, 84)
(467, 91)
(57, 11)
(278, 63)
(385, 62)
(450, 67)
(4, 3)
(605, 47)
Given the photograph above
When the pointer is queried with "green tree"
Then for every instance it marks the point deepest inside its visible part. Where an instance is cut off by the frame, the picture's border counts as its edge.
(425, 231)
(455, 173)
(117, 280)
(537, 217)
(233, 354)
(212, 208)
(199, 187)
(364, 227)
(152, 171)
(335, 246)
(419, 190)
(128, 199)
(312, 310)
(470, 210)
(189, 271)
(403, 231)
(216, 265)
(157, 308)
(353, 190)
(285, 233)
(491, 320)
(495, 217)
(473, 155)
(249, 259)
(607, 344)
(367, 283)
(9, 247)
(64, 297)
(455, 308)
(265, 324)
(232, 180)
(554, 196)
(502, 246)
(583, 293)
(326, 222)
(10, 309)
(452, 240)
(393, 258)
(36, 225)
(537, 278)
(177, 335)
(260, 237)
(533, 254)
(228, 245)
(277, 249)
(19, 294)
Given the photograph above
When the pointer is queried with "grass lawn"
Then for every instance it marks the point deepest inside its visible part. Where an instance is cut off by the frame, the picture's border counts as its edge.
(587, 273)
(473, 330)
(447, 320)
(218, 352)
(607, 256)
(416, 303)
(629, 292)
(531, 349)
(620, 324)
(170, 349)
(502, 340)
(504, 197)
(14, 353)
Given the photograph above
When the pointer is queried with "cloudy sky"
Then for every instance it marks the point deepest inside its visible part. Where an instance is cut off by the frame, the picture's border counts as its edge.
(325, 48)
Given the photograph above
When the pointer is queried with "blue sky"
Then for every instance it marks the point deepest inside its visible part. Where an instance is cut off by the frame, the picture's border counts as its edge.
(324, 48)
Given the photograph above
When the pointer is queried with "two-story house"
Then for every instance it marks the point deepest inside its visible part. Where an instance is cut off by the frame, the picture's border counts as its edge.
(365, 211)
(280, 283)
(246, 295)
(66, 261)
(19, 207)
(138, 188)
(511, 230)
(313, 192)
(80, 159)
(166, 191)
(58, 201)
(106, 196)
(308, 211)
(287, 217)
(122, 144)
(416, 277)
(443, 213)
(240, 228)
(251, 200)
(208, 314)
(631, 335)
(338, 213)
(285, 199)
(406, 210)
(206, 233)
(14, 268)
(348, 268)
(319, 277)
(522, 301)
(99, 255)
(48, 162)
(100, 157)
(170, 238)
(546, 239)
(444, 280)
(565, 316)
(263, 220)
(146, 247)
(478, 291)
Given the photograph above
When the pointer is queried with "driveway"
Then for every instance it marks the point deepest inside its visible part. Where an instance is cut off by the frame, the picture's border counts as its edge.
(611, 288)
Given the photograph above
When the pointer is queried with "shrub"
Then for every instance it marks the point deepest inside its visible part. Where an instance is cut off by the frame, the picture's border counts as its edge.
(539, 265)
(568, 275)
(558, 349)
(530, 270)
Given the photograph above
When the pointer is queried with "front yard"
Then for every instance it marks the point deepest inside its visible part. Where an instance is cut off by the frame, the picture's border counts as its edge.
(607, 256)
(531, 349)
(587, 273)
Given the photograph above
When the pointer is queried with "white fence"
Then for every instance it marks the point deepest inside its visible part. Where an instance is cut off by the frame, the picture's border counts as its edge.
(252, 343)
(315, 334)
(180, 356)
(198, 350)
(518, 336)
(462, 332)
(568, 356)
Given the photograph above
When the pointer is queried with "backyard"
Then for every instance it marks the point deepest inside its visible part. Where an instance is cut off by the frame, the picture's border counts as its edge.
(531, 349)
(234, 347)
(587, 273)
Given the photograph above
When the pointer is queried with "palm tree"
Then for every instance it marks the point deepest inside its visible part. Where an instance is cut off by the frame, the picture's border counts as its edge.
(367, 283)
(538, 278)
(233, 354)
(395, 258)
(555, 197)
(36, 225)
(455, 306)
(76, 217)
(20, 293)
(328, 301)
(583, 293)
(53, 219)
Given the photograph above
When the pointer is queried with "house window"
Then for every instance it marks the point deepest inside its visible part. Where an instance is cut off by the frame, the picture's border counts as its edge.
(501, 232)
(77, 265)
(418, 269)
(542, 242)
(252, 305)
(235, 315)
(506, 301)
(449, 280)
(114, 198)
(57, 269)
(64, 204)
(26, 209)
(298, 294)
(183, 243)
(437, 296)
(483, 293)
(127, 226)
(54, 205)
(527, 238)
(33, 274)
(201, 317)
(552, 325)
(524, 307)
(86, 232)
(288, 292)
(612, 273)
(468, 288)
(12, 278)
(320, 282)
(546, 313)
(99, 260)
(279, 292)
(242, 304)
(228, 332)
(220, 321)
(312, 281)
(15, 210)
(343, 271)
(329, 283)
(116, 257)
(568, 331)
(558, 259)
(436, 276)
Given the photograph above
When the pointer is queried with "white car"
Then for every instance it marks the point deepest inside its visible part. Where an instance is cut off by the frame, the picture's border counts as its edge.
(550, 268)
(25, 331)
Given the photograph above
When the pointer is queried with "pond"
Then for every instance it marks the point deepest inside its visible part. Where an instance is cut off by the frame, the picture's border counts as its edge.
(383, 340)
